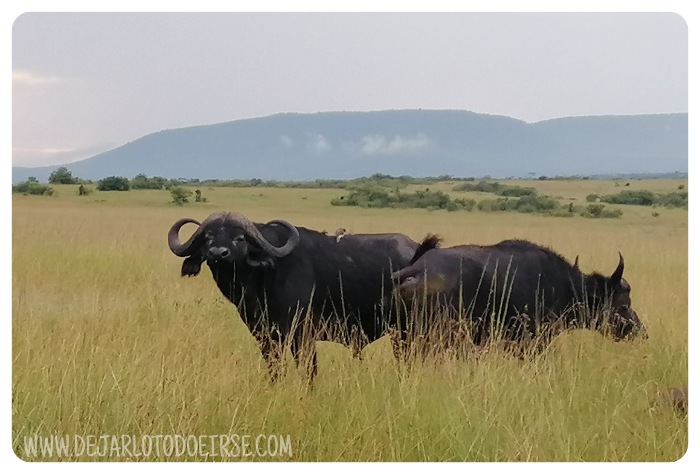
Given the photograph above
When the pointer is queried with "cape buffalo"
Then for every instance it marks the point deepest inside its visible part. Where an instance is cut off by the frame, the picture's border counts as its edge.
(288, 280)
(515, 289)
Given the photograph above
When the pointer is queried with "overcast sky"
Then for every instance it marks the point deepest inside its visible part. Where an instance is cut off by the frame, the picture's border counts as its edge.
(86, 83)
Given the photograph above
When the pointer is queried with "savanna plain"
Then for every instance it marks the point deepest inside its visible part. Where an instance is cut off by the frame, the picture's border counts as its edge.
(107, 338)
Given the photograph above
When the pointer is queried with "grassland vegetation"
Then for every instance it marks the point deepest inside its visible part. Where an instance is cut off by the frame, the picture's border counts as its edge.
(113, 183)
(32, 186)
(108, 338)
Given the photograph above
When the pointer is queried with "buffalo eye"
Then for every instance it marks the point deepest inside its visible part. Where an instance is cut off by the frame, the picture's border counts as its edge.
(239, 238)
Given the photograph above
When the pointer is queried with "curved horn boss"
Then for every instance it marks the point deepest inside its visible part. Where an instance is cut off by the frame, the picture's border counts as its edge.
(252, 231)
(188, 248)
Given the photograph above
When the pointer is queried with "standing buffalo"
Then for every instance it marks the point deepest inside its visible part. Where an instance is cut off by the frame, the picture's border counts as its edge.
(515, 289)
(291, 281)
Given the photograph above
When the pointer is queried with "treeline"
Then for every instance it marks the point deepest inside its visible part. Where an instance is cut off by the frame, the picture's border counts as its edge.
(643, 198)
(375, 198)
(110, 183)
(496, 188)
(512, 199)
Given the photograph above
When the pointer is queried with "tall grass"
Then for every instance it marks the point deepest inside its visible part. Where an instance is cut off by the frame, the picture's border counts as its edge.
(107, 338)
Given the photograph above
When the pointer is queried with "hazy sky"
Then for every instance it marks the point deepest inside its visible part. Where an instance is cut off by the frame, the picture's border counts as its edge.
(85, 83)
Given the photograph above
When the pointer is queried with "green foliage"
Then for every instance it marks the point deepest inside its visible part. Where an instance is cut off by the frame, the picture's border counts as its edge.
(647, 198)
(496, 188)
(62, 176)
(375, 197)
(592, 198)
(32, 186)
(673, 200)
(141, 181)
(597, 211)
(525, 204)
(180, 195)
(113, 183)
(639, 198)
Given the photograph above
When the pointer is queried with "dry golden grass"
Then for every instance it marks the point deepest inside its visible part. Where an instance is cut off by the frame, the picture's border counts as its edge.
(108, 339)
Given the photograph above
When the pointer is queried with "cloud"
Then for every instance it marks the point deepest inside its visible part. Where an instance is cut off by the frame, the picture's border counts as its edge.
(27, 78)
(59, 155)
(381, 145)
(318, 144)
(287, 142)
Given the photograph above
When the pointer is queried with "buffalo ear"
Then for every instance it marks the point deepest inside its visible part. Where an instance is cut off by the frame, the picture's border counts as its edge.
(191, 266)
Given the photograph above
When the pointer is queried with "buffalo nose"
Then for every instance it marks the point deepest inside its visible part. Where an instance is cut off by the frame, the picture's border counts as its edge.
(219, 252)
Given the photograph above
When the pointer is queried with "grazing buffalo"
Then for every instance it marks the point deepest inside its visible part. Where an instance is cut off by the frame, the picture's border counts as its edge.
(515, 289)
(291, 281)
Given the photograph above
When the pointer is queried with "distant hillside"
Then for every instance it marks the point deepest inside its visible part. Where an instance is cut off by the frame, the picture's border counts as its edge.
(397, 142)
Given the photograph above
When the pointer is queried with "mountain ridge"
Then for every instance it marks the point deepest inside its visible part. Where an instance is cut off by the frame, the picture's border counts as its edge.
(294, 146)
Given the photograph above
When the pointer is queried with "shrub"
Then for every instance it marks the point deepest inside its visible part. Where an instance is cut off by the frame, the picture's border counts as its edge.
(180, 195)
(113, 183)
(33, 187)
(141, 181)
(525, 204)
(639, 198)
(647, 198)
(592, 198)
(373, 197)
(597, 211)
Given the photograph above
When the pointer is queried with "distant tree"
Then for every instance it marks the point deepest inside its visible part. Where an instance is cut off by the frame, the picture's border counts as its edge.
(32, 179)
(180, 195)
(62, 176)
(113, 183)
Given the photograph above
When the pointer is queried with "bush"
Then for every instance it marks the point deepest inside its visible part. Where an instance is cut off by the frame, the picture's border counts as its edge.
(647, 198)
(113, 183)
(592, 198)
(639, 198)
(525, 204)
(597, 211)
(372, 197)
(673, 200)
(141, 181)
(32, 186)
(180, 195)
(496, 188)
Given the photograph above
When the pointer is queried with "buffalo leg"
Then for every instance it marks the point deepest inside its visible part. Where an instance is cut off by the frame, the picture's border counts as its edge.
(272, 348)
(304, 352)
(358, 341)
(399, 344)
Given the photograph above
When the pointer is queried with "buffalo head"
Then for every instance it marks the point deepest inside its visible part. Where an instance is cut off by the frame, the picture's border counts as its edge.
(227, 238)
(622, 319)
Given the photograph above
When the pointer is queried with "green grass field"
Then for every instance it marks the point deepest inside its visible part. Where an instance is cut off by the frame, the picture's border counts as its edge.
(107, 338)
